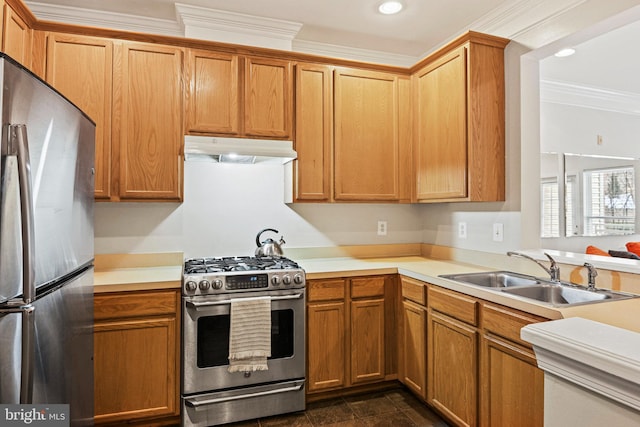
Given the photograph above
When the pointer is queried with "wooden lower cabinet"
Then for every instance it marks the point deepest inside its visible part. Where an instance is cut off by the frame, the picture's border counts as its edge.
(347, 338)
(452, 378)
(326, 345)
(137, 356)
(512, 385)
(479, 372)
(367, 340)
(413, 373)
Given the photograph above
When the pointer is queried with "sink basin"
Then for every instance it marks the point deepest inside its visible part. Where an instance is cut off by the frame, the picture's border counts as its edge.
(493, 279)
(558, 294)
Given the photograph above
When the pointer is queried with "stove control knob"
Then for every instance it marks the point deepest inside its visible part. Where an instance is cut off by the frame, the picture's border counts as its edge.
(286, 279)
(297, 279)
(204, 285)
(191, 286)
(217, 284)
(275, 280)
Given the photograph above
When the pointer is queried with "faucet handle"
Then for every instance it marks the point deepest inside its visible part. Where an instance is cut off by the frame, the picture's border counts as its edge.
(591, 276)
(553, 268)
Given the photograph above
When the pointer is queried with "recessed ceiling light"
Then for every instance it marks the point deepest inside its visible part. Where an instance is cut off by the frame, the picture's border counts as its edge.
(565, 52)
(390, 7)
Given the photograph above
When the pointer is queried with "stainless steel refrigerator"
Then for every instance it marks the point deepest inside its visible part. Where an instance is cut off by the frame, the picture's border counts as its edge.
(46, 246)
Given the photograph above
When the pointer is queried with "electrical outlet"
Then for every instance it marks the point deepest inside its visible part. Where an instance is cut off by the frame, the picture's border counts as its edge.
(382, 228)
(462, 230)
(498, 232)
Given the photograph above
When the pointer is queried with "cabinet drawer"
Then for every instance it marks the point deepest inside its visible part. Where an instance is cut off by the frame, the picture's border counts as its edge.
(414, 290)
(507, 323)
(367, 287)
(453, 304)
(134, 304)
(324, 290)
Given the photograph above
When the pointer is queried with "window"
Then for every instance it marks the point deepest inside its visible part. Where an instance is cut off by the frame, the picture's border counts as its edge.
(609, 206)
(550, 207)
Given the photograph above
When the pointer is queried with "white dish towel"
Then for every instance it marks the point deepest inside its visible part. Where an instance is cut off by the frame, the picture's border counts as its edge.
(250, 334)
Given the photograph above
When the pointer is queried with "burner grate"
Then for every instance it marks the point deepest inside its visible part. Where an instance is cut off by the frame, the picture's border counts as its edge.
(242, 263)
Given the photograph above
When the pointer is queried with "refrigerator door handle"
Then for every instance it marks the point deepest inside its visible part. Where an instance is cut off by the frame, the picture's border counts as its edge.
(28, 354)
(20, 147)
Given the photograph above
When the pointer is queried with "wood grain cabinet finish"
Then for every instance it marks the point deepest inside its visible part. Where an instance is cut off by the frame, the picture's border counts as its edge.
(136, 356)
(366, 142)
(16, 36)
(239, 95)
(367, 329)
(349, 328)
(89, 87)
(452, 355)
(148, 116)
(314, 133)
(413, 335)
(268, 97)
(512, 386)
(460, 122)
(213, 92)
(326, 334)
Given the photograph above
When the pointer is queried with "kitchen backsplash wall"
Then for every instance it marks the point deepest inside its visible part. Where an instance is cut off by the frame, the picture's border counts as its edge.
(226, 205)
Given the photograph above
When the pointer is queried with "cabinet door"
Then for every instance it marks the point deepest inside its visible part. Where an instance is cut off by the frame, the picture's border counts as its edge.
(366, 136)
(314, 135)
(367, 340)
(512, 385)
(213, 92)
(452, 374)
(441, 130)
(326, 345)
(16, 37)
(136, 356)
(89, 87)
(268, 98)
(414, 350)
(148, 114)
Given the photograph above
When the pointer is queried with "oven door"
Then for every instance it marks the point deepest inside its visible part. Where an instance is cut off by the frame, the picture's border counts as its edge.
(205, 339)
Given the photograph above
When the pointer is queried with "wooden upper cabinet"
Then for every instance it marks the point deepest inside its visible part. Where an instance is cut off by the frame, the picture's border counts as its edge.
(314, 133)
(213, 92)
(148, 114)
(442, 140)
(366, 144)
(268, 98)
(460, 122)
(238, 96)
(16, 37)
(89, 87)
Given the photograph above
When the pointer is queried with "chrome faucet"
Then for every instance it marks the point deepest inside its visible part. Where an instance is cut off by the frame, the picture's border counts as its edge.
(553, 270)
(592, 273)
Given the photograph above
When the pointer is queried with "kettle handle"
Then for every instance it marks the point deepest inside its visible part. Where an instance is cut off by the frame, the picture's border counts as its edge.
(258, 243)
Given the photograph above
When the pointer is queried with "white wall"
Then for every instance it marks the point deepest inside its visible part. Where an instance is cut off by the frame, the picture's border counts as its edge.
(226, 205)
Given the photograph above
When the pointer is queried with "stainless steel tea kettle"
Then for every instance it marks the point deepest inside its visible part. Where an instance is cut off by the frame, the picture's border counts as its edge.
(269, 247)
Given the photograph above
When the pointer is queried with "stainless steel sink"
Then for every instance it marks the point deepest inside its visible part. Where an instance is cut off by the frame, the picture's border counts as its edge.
(558, 294)
(493, 279)
(528, 287)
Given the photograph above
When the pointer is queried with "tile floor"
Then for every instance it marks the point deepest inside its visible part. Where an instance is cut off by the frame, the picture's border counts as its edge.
(393, 408)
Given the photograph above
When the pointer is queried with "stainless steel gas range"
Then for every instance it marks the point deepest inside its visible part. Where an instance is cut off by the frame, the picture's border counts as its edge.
(212, 395)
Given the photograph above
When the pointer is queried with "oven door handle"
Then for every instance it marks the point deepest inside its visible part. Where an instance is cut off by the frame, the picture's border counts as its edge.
(196, 304)
(198, 403)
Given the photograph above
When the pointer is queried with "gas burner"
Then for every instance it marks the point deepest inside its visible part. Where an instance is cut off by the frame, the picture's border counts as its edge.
(229, 264)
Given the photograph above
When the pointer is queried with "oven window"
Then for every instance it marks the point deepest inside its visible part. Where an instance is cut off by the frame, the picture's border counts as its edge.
(213, 338)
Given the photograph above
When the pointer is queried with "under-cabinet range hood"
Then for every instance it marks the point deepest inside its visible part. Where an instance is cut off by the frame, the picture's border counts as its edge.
(238, 150)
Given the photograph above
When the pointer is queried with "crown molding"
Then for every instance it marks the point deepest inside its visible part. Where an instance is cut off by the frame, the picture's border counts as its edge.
(112, 20)
(344, 52)
(239, 28)
(563, 93)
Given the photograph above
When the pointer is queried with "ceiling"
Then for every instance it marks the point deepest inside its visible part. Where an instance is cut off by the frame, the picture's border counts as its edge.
(421, 27)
